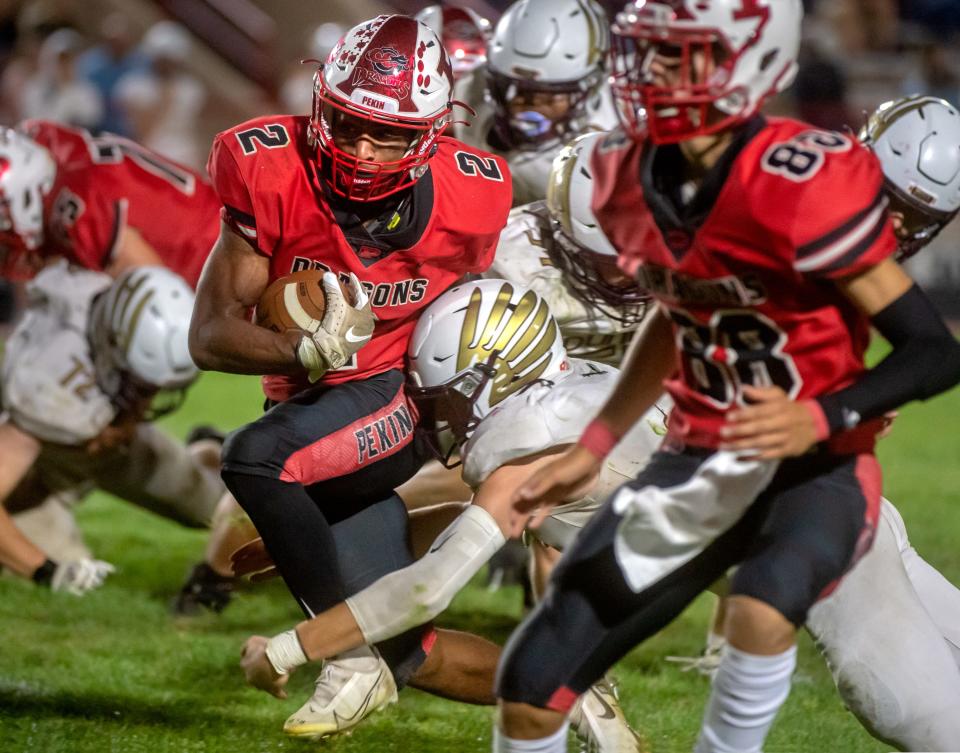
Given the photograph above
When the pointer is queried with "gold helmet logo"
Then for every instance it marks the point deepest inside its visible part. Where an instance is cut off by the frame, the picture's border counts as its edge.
(522, 335)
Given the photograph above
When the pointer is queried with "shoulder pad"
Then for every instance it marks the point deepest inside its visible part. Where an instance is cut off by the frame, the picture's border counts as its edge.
(64, 292)
(542, 417)
(49, 387)
(472, 178)
(821, 196)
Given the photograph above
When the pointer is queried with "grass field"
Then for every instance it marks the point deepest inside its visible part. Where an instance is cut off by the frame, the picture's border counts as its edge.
(113, 672)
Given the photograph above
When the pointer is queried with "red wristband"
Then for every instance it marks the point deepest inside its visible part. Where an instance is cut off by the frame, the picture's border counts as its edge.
(819, 419)
(598, 438)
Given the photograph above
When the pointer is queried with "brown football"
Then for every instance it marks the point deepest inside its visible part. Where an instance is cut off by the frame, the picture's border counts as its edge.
(296, 301)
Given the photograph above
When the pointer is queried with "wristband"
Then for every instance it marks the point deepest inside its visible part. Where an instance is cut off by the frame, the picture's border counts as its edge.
(598, 438)
(43, 575)
(285, 652)
(819, 419)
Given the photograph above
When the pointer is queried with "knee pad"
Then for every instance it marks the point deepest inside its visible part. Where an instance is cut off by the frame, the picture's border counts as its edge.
(789, 579)
(251, 449)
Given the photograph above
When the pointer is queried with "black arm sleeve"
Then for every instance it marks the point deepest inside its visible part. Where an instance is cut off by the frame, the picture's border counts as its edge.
(925, 361)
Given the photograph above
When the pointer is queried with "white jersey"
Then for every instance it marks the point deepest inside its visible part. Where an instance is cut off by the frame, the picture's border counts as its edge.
(529, 168)
(48, 380)
(552, 414)
(522, 258)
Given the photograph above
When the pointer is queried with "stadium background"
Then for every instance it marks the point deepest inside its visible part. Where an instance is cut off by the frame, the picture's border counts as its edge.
(112, 672)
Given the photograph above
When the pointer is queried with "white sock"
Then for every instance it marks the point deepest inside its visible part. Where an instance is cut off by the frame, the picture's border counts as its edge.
(747, 693)
(556, 743)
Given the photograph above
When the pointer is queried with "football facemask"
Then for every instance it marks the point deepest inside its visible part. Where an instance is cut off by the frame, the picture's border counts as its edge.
(448, 413)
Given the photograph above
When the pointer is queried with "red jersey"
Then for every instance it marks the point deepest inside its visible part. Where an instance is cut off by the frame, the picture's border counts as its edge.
(266, 175)
(744, 269)
(106, 183)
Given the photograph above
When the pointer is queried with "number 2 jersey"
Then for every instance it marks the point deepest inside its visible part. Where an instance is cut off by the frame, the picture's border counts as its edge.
(106, 184)
(745, 268)
(268, 179)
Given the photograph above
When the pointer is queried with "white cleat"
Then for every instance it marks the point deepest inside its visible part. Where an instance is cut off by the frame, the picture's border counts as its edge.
(599, 722)
(344, 696)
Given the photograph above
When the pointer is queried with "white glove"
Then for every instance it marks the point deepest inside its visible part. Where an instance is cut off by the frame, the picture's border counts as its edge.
(79, 576)
(344, 329)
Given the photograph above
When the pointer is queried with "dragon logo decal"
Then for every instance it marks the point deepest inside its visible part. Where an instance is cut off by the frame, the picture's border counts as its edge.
(385, 67)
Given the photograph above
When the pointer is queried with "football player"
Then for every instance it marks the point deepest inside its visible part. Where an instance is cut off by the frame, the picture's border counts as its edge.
(492, 380)
(105, 202)
(90, 365)
(108, 204)
(555, 248)
(543, 83)
(907, 691)
(369, 190)
(769, 249)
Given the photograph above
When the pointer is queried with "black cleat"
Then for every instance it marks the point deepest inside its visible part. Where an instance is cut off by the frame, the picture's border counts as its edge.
(204, 589)
(204, 431)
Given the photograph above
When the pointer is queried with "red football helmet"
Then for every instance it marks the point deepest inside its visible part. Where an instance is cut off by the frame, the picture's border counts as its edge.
(725, 58)
(27, 175)
(464, 33)
(391, 71)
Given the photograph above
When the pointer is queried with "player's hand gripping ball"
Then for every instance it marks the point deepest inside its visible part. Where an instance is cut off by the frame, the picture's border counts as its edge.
(336, 319)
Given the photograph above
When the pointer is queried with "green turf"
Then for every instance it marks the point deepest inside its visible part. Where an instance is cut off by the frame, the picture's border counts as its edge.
(113, 672)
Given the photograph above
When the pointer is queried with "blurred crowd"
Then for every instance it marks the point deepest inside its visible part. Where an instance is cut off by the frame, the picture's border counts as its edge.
(114, 73)
(117, 76)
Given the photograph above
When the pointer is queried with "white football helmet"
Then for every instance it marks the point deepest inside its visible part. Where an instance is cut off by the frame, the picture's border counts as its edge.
(579, 247)
(725, 58)
(27, 175)
(464, 34)
(541, 50)
(475, 346)
(138, 331)
(917, 140)
(392, 71)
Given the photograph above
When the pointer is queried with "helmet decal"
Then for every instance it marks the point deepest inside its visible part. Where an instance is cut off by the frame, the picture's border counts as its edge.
(386, 68)
(509, 330)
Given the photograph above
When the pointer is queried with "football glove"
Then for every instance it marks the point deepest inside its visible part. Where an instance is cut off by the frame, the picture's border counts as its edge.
(79, 576)
(345, 328)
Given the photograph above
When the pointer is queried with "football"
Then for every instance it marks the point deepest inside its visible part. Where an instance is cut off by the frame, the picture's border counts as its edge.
(296, 301)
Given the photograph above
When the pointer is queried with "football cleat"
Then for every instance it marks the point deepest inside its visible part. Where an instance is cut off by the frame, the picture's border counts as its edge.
(599, 722)
(705, 665)
(204, 589)
(343, 697)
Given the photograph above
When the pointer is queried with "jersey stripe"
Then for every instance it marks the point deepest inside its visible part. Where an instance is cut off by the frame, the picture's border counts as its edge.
(245, 223)
(847, 242)
(121, 208)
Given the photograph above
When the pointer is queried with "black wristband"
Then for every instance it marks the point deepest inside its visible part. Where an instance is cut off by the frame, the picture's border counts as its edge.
(43, 575)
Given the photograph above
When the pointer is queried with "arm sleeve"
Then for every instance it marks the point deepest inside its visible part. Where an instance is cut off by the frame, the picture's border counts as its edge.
(924, 362)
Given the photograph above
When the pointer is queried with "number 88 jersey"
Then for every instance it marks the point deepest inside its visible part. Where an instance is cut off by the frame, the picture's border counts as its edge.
(106, 184)
(744, 269)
